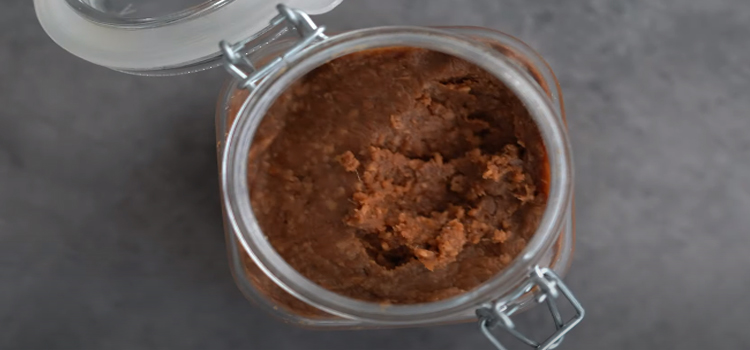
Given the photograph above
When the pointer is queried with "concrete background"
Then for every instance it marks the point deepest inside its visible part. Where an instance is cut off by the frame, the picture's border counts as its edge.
(110, 229)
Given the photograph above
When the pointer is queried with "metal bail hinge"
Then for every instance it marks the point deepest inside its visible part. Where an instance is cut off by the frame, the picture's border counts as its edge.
(240, 66)
(550, 286)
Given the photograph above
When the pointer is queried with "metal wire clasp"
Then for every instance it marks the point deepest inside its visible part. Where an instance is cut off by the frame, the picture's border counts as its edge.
(548, 286)
(241, 67)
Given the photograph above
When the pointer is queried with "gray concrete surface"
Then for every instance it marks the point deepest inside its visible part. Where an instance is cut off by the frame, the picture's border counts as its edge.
(110, 230)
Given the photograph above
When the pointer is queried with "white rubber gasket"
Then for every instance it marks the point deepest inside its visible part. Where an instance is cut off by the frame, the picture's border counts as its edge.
(169, 46)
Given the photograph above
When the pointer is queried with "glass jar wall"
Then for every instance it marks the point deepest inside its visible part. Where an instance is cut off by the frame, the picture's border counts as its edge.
(294, 302)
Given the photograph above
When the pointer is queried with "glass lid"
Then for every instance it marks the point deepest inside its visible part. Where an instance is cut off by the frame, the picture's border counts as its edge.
(159, 37)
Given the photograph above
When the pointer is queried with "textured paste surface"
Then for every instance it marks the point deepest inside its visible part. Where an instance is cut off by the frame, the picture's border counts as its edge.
(398, 175)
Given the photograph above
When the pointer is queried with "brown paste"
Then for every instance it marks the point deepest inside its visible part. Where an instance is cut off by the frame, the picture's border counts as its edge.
(398, 175)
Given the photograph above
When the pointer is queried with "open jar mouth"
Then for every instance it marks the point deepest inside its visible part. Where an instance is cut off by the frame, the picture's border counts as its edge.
(242, 219)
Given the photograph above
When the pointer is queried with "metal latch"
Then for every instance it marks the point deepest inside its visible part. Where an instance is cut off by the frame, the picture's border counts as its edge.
(548, 287)
(240, 66)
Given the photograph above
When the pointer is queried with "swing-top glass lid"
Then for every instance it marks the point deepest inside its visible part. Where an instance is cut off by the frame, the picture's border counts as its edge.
(159, 37)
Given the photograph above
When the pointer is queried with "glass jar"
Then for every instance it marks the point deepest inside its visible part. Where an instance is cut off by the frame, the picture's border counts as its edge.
(264, 62)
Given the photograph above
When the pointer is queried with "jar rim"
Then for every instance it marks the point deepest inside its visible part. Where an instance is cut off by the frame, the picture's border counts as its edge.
(247, 230)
